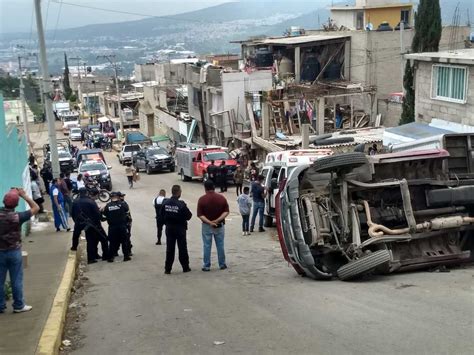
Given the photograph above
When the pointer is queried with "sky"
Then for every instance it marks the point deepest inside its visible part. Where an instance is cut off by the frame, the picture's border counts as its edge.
(16, 15)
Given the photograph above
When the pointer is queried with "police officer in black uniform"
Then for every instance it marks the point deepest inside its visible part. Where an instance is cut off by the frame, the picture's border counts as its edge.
(176, 215)
(86, 216)
(116, 213)
(129, 224)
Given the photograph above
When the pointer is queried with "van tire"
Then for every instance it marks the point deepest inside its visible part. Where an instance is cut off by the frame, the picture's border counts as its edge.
(366, 263)
(184, 177)
(267, 221)
(347, 161)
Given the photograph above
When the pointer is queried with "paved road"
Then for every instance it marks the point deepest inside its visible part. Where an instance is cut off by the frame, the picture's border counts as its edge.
(259, 305)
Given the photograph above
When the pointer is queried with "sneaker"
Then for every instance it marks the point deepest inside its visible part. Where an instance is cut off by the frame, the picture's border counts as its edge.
(244, 233)
(223, 267)
(187, 270)
(167, 272)
(110, 260)
(206, 269)
(25, 308)
(73, 249)
(261, 230)
(251, 230)
(127, 258)
(68, 230)
(158, 243)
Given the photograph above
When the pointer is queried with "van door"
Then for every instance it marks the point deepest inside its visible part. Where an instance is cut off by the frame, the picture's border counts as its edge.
(273, 188)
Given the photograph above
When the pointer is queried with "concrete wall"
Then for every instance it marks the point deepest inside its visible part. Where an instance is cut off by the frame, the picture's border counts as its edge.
(170, 73)
(426, 108)
(13, 158)
(145, 72)
(391, 112)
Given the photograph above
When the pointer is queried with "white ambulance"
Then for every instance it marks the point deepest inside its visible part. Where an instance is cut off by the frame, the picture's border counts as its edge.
(276, 169)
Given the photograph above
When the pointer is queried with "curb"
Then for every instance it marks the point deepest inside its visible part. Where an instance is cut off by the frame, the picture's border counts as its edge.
(52, 333)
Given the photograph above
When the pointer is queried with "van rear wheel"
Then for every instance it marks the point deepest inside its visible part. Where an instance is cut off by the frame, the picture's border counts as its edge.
(184, 177)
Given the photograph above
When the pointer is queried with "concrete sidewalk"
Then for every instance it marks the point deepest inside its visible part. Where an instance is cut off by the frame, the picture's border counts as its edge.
(47, 256)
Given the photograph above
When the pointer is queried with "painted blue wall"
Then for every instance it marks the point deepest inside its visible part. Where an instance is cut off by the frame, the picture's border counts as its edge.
(13, 158)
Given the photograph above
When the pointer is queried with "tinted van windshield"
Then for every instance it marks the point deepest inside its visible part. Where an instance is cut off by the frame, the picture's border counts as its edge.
(216, 156)
(92, 166)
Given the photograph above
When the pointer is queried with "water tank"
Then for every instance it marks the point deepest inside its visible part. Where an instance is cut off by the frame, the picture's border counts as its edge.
(263, 58)
(333, 71)
(286, 66)
(310, 67)
(295, 30)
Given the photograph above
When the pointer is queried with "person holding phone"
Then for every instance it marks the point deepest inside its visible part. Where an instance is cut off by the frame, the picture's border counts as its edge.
(212, 209)
(11, 259)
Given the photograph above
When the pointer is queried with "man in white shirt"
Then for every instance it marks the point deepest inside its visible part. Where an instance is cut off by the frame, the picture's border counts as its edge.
(37, 197)
(158, 203)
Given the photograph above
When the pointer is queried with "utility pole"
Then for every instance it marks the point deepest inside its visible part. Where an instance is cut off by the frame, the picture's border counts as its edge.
(402, 51)
(53, 145)
(23, 105)
(111, 59)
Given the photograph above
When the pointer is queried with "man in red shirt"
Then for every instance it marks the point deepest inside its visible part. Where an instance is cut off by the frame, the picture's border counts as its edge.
(212, 209)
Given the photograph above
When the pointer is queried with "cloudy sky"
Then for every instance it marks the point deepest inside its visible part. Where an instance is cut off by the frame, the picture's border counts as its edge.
(15, 15)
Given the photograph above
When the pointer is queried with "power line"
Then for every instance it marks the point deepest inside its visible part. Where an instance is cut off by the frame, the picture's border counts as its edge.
(57, 20)
(169, 17)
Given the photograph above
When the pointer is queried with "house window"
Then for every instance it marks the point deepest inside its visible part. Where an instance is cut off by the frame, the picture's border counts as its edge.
(449, 83)
(405, 16)
(359, 20)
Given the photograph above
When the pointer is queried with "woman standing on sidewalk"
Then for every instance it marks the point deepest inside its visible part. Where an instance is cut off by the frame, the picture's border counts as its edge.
(57, 201)
(130, 172)
(11, 259)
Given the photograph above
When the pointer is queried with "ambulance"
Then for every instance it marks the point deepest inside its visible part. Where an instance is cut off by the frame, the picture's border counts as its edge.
(277, 168)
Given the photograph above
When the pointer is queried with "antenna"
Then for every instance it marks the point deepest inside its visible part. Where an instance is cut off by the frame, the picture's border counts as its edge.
(454, 29)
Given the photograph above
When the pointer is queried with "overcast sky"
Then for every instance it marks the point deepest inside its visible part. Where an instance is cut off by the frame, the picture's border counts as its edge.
(15, 15)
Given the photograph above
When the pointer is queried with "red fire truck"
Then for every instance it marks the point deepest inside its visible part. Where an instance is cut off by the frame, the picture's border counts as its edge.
(192, 160)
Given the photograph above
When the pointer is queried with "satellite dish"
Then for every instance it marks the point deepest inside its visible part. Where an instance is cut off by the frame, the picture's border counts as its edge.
(369, 27)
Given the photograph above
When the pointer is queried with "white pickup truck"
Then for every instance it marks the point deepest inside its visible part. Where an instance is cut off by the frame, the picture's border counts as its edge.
(127, 152)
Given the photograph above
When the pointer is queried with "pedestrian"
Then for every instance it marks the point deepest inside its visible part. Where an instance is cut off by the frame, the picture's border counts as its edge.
(37, 196)
(82, 136)
(222, 176)
(158, 204)
(238, 180)
(130, 172)
(116, 213)
(175, 216)
(80, 182)
(212, 171)
(338, 116)
(31, 159)
(86, 216)
(245, 205)
(259, 193)
(47, 176)
(252, 172)
(129, 223)
(57, 201)
(11, 259)
(66, 189)
(212, 209)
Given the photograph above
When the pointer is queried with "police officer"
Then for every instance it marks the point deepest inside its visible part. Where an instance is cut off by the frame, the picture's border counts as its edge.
(116, 213)
(158, 204)
(176, 215)
(86, 216)
(129, 224)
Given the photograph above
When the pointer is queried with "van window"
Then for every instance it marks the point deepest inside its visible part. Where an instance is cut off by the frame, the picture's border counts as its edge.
(132, 148)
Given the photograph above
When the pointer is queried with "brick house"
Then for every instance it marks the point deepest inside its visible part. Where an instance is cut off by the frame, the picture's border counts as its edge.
(444, 86)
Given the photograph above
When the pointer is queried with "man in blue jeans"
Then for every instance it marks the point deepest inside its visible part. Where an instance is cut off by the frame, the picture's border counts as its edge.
(212, 209)
(258, 195)
(11, 259)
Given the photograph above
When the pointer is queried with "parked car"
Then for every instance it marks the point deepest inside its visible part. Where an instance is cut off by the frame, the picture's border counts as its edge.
(90, 154)
(153, 159)
(194, 159)
(127, 152)
(349, 214)
(98, 171)
(66, 161)
(75, 134)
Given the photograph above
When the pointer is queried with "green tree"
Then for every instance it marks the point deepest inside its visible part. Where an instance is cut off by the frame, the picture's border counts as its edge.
(66, 84)
(427, 27)
(408, 113)
(10, 87)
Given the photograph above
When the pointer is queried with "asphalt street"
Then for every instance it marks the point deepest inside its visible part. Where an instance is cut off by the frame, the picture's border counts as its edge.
(259, 305)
